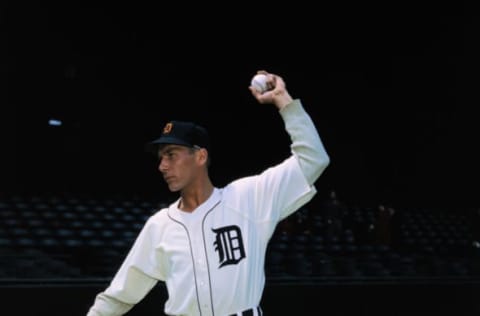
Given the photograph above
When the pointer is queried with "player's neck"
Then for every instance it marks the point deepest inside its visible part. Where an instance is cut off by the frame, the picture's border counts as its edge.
(194, 196)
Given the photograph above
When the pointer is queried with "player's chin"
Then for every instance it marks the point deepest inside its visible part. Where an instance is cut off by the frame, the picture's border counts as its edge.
(173, 188)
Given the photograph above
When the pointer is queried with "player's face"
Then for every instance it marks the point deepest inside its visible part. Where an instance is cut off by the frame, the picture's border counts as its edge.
(178, 165)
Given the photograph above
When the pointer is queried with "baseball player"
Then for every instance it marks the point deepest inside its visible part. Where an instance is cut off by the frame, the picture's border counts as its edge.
(209, 245)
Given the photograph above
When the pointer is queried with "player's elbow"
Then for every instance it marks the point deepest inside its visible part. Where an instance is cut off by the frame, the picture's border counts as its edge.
(322, 162)
(314, 165)
(325, 162)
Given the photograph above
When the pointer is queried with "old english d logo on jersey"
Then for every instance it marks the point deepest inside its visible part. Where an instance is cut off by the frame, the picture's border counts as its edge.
(229, 245)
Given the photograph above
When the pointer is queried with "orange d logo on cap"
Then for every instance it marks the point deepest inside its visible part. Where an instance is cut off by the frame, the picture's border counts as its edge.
(168, 127)
(181, 133)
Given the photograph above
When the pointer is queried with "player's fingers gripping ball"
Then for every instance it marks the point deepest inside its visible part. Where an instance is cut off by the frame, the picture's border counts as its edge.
(260, 83)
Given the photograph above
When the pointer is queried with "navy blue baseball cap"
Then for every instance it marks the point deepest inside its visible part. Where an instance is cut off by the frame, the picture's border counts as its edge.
(182, 133)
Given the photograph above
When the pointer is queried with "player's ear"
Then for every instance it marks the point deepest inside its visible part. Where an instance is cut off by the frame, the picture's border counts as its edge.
(202, 156)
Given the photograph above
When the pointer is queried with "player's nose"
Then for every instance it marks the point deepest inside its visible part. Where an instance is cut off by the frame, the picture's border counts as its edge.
(162, 166)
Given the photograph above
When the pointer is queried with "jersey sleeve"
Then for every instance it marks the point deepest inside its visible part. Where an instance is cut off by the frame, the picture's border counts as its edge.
(137, 275)
(282, 189)
(306, 144)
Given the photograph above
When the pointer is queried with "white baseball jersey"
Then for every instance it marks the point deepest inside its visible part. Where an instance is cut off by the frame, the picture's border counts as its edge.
(212, 259)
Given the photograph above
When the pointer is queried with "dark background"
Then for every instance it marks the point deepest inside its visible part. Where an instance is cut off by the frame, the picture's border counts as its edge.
(392, 89)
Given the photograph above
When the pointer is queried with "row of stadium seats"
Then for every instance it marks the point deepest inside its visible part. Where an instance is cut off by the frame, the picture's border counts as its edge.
(80, 237)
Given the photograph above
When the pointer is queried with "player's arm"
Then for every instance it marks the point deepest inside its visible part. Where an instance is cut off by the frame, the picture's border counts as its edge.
(306, 145)
(106, 305)
(282, 189)
(135, 278)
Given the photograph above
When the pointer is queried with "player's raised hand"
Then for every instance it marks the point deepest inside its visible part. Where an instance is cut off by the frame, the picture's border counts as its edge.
(276, 92)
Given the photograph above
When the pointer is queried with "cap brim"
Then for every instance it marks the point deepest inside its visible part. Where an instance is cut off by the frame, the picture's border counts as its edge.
(153, 146)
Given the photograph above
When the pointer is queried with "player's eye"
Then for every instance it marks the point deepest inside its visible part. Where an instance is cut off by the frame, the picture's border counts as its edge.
(165, 156)
(171, 155)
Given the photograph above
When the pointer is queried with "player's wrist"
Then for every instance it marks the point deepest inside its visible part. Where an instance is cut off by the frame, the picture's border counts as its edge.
(282, 100)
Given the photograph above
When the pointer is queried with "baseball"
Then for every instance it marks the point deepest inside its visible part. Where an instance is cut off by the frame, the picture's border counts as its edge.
(259, 82)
